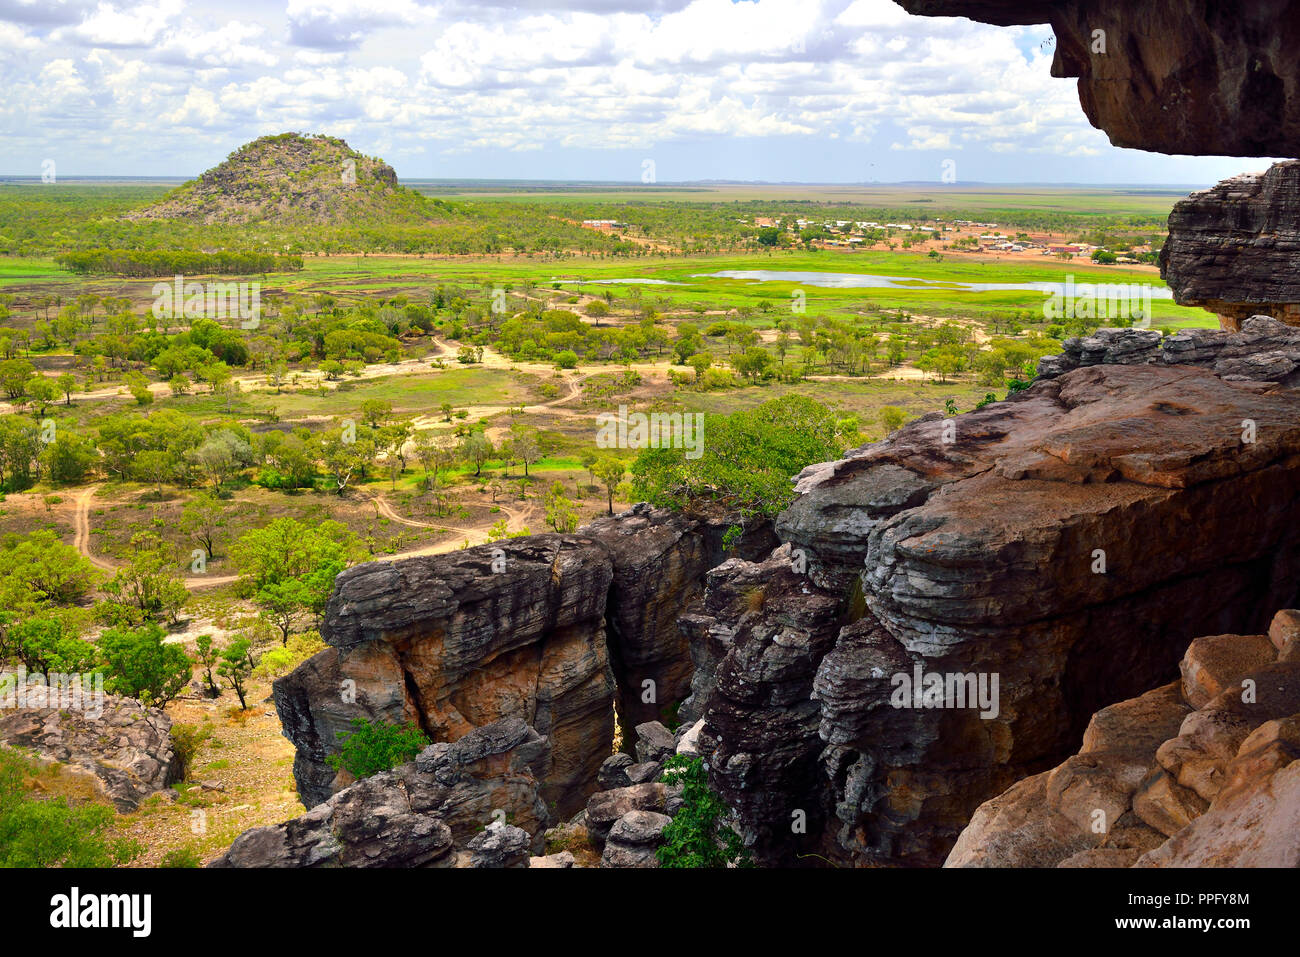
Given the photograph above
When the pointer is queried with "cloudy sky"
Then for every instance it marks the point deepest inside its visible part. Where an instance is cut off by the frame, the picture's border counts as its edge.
(776, 90)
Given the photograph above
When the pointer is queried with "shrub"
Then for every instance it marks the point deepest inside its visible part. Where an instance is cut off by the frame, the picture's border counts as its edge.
(697, 836)
(280, 661)
(181, 857)
(187, 739)
(375, 746)
(53, 833)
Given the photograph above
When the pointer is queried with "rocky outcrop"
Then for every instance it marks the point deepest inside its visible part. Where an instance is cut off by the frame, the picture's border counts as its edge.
(1235, 249)
(634, 840)
(552, 629)
(659, 560)
(292, 178)
(444, 809)
(1261, 350)
(1030, 551)
(124, 745)
(768, 627)
(1199, 772)
(1174, 76)
(454, 642)
(605, 807)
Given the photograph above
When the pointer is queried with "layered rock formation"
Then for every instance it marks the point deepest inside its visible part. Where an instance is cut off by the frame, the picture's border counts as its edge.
(458, 641)
(1235, 249)
(1174, 76)
(764, 628)
(125, 746)
(659, 562)
(525, 628)
(444, 809)
(1262, 350)
(1066, 543)
(1200, 772)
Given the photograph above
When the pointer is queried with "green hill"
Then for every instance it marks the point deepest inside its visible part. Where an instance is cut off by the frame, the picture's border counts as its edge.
(291, 179)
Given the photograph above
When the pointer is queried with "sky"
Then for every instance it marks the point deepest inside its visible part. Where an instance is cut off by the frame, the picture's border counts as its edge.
(815, 91)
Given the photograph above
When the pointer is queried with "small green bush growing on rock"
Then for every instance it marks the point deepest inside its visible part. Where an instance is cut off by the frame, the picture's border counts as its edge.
(375, 746)
(697, 836)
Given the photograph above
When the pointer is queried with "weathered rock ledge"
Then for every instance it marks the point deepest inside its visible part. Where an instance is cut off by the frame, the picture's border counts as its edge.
(550, 629)
(1261, 349)
(447, 808)
(1173, 76)
(1068, 542)
(1235, 249)
(1201, 772)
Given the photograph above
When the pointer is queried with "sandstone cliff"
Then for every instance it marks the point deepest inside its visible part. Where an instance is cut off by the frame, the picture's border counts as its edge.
(1235, 249)
(1069, 542)
(551, 629)
(1200, 772)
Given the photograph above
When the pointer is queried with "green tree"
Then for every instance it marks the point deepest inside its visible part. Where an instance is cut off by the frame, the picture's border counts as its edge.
(287, 551)
(236, 665)
(374, 412)
(208, 655)
(744, 459)
(610, 472)
(525, 447)
(892, 418)
(141, 666)
(43, 392)
(146, 587)
(202, 517)
(67, 384)
(560, 514)
(69, 458)
(476, 449)
(282, 603)
(38, 569)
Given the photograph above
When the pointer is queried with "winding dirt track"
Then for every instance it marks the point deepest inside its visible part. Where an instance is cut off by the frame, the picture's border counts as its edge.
(81, 539)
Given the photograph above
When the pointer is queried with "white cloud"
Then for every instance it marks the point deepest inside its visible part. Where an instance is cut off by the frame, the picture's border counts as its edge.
(859, 76)
(117, 26)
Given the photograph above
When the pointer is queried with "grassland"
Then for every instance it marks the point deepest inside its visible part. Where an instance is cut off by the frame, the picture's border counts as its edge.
(445, 369)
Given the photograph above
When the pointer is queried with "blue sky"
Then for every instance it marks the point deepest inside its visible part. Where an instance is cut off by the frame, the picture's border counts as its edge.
(776, 90)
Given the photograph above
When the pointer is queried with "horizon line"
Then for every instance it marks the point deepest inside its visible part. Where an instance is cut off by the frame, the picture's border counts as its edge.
(649, 187)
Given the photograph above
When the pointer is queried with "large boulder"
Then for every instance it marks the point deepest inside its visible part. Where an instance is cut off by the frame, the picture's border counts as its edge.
(125, 746)
(606, 807)
(1044, 543)
(634, 840)
(454, 642)
(431, 812)
(1235, 249)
